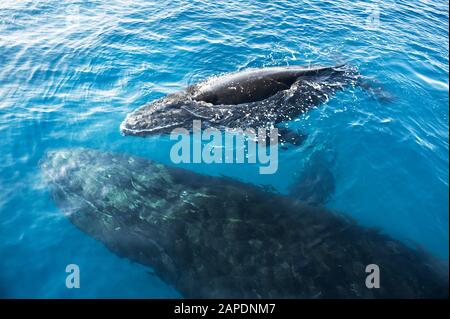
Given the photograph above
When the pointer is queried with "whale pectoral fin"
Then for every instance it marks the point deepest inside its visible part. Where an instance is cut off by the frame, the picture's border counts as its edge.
(316, 184)
(287, 136)
(375, 90)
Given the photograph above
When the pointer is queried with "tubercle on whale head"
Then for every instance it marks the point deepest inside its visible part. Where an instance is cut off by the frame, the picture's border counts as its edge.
(58, 165)
(157, 118)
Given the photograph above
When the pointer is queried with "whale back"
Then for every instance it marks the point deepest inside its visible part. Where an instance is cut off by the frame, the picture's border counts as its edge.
(255, 85)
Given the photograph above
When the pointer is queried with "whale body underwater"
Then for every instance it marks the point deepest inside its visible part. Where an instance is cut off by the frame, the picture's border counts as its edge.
(214, 237)
(255, 98)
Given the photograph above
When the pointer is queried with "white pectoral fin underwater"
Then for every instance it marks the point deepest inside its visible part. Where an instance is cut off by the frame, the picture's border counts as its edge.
(215, 237)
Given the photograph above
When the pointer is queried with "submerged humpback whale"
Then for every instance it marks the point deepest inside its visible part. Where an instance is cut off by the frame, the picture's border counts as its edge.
(217, 237)
(249, 99)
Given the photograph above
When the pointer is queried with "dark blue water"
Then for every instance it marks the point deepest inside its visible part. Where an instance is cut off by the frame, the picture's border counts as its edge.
(71, 70)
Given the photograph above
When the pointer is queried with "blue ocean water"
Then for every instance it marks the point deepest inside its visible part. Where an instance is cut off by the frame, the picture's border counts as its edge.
(71, 70)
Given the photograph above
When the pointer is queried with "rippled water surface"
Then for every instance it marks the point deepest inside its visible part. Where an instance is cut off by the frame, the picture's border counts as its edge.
(71, 70)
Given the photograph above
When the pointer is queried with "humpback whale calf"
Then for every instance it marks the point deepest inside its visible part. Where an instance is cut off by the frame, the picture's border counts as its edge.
(217, 237)
(249, 99)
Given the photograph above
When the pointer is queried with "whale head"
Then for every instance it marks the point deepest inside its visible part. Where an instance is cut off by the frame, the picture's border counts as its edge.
(159, 117)
(85, 180)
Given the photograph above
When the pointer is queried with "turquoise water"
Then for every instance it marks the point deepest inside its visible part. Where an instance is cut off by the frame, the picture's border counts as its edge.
(70, 72)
